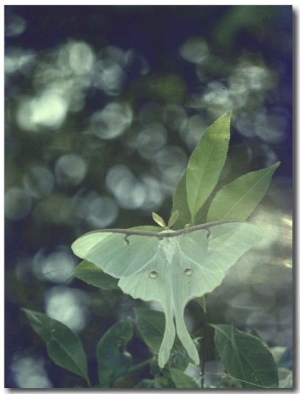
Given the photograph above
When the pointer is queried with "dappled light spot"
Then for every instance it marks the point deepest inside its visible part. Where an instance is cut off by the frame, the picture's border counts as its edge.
(109, 74)
(66, 72)
(81, 58)
(175, 117)
(14, 25)
(269, 127)
(102, 212)
(288, 263)
(45, 111)
(216, 99)
(55, 267)
(29, 372)
(244, 92)
(245, 124)
(249, 77)
(277, 228)
(271, 230)
(98, 211)
(17, 203)
(195, 50)
(171, 158)
(136, 63)
(195, 126)
(171, 162)
(38, 181)
(69, 306)
(154, 196)
(114, 66)
(73, 60)
(116, 174)
(143, 193)
(286, 227)
(18, 60)
(151, 139)
(129, 192)
(70, 169)
(110, 77)
(112, 121)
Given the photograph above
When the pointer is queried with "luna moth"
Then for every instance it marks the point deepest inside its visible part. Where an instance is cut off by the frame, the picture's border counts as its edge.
(169, 267)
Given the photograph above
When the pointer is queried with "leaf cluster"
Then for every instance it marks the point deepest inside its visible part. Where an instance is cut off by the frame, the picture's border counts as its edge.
(197, 199)
(247, 361)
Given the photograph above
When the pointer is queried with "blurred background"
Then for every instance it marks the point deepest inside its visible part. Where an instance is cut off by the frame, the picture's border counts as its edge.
(103, 106)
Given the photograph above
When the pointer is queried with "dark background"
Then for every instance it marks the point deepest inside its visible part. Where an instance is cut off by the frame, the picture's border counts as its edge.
(55, 170)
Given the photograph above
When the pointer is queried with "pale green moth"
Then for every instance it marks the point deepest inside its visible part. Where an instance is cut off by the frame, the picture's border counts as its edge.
(169, 267)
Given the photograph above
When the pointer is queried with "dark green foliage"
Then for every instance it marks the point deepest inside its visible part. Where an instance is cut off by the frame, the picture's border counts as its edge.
(247, 361)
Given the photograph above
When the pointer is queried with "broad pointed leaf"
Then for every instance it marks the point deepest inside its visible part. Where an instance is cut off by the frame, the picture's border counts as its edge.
(245, 358)
(151, 325)
(180, 204)
(63, 346)
(113, 359)
(238, 199)
(206, 163)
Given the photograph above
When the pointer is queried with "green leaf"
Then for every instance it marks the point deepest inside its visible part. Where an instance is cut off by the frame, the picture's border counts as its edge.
(183, 381)
(180, 204)
(92, 275)
(238, 199)
(113, 359)
(245, 358)
(151, 326)
(159, 220)
(63, 346)
(206, 163)
(173, 219)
